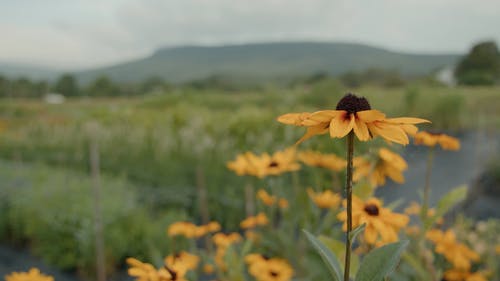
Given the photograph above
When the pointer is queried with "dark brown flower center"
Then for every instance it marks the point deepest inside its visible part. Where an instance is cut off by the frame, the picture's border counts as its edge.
(352, 104)
(371, 209)
(273, 164)
(274, 273)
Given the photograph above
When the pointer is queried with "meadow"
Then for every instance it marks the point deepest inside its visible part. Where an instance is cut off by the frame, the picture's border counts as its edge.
(163, 159)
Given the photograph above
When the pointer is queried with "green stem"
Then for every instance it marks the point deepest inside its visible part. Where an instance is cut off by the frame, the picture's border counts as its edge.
(348, 189)
(427, 188)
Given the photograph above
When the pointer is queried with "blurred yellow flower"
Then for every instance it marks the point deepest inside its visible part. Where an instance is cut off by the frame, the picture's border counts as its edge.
(327, 161)
(208, 268)
(463, 275)
(264, 269)
(33, 274)
(266, 198)
(324, 200)
(381, 223)
(431, 139)
(283, 203)
(225, 240)
(147, 272)
(385, 164)
(253, 221)
(455, 252)
(190, 230)
(183, 259)
(265, 164)
(354, 114)
(497, 249)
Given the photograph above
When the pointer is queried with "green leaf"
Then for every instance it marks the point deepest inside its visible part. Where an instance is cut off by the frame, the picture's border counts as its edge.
(354, 233)
(451, 199)
(446, 203)
(338, 249)
(395, 204)
(327, 256)
(380, 262)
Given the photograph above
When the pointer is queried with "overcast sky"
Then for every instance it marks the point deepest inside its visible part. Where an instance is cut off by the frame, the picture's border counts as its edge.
(75, 34)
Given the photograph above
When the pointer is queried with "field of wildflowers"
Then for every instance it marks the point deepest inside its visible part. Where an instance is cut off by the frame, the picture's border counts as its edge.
(216, 186)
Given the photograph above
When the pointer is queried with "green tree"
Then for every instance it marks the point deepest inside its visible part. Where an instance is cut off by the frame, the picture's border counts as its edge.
(66, 85)
(103, 87)
(481, 66)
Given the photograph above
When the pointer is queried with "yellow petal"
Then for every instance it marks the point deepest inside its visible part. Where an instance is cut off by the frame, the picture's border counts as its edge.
(390, 132)
(407, 120)
(341, 125)
(293, 118)
(324, 116)
(361, 130)
(370, 115)
(312, 131)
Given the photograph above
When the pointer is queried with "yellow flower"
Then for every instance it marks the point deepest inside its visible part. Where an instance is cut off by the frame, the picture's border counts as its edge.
(225, 240)
(264, 269)
(265, 164)
(33, 274)
(386, 164)
(190, 230)
(183, 259)
(431, 139)
(253, 221)
(354, 114)
(455, 252)
(283, 203)
(317, 159)
(463, 275)
(266, 198)
(208, 268)
(381, 223)
(324, 200)
(147, 272)
(497, 249)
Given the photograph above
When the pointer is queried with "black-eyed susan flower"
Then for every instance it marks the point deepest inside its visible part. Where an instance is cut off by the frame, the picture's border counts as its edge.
(265, 165)
(463, 275)
(223, 242)
(33, 274)
(268, 269)
(146, 272)
(253, 221)
(190, 230)
(327, 161)
(377, 168)
(458, 254)
(354, 114)
(324, 200)
(182, 259)
(283, 203)
(432, 139)
(266, 198)
(382, 225)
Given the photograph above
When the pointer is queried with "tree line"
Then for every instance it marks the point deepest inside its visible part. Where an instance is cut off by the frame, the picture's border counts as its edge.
(68, 86)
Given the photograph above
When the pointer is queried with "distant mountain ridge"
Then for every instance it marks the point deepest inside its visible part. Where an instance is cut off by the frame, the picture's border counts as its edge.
(266, 61)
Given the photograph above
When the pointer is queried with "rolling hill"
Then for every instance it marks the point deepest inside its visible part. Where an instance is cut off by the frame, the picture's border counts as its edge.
(267, 61)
